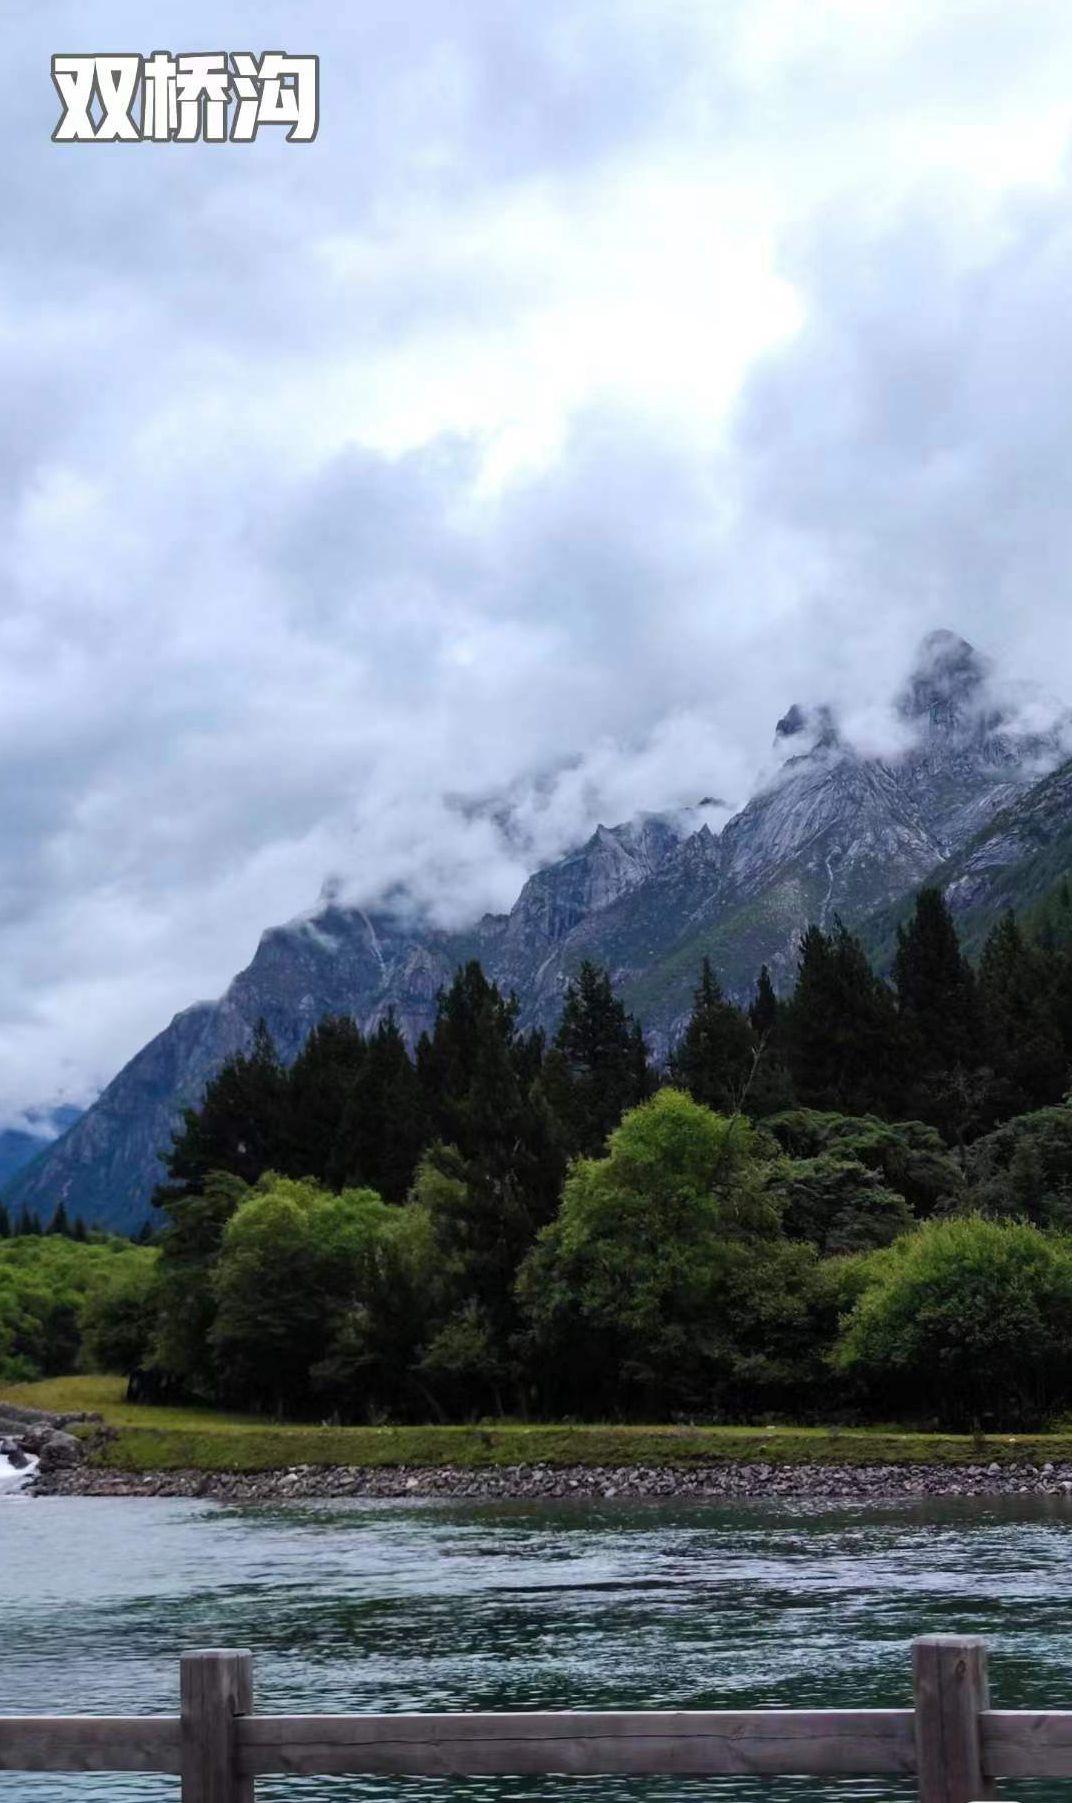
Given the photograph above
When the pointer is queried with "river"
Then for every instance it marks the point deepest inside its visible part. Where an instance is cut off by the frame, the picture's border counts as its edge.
(367, 1606)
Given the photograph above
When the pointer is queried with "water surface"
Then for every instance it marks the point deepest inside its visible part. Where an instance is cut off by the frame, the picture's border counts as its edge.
(364, 1606)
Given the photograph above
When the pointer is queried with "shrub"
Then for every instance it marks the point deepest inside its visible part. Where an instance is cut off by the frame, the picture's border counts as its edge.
(967, 1318)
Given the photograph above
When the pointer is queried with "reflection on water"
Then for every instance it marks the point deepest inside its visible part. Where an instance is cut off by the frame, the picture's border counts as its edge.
(368, 1606)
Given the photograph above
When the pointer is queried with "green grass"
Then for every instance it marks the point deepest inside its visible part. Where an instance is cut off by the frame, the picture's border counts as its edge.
(172, 1439)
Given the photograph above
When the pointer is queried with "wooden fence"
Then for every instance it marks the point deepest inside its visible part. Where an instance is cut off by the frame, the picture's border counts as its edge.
(951, 1741)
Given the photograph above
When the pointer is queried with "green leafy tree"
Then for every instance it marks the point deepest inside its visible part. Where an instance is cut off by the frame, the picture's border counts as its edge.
(968, 1322)
(295, 1263)
(45, 1280)
(180, 1353)
(118, 1317)
(840, 1206)
(663, 1284)
(1024, 1169)
(909, 1156)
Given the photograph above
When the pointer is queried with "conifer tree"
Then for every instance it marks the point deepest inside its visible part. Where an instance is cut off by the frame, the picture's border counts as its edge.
(384, 1125)
(59, 1223)
(765, 1013)
(935, 985)
(319, 1085)
(241, 1125)
(1025, 1045)
(5, 1223)
(942, 1020)
(843, 1031)
(597, 1066)
(715, 1056)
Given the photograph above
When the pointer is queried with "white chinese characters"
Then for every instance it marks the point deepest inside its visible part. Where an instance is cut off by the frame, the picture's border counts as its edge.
(211, 97)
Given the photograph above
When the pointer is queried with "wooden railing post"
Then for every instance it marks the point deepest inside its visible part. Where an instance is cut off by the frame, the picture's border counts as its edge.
(949, 1677)
(215, 1688)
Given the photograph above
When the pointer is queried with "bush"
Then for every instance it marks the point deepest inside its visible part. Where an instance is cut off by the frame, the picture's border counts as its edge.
(839, 1205)
(967, 1318)
(909, 1156)
(1025, 1169)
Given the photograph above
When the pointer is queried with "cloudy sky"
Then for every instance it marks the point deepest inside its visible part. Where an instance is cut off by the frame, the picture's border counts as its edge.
(607, 375)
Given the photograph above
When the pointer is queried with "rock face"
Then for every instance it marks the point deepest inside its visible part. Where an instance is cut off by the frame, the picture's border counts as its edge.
(835, 832)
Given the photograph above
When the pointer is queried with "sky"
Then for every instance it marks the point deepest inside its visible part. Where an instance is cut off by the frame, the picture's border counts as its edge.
(606, 376)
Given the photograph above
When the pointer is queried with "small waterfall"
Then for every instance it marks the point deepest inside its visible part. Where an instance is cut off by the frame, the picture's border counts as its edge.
(14, 1478)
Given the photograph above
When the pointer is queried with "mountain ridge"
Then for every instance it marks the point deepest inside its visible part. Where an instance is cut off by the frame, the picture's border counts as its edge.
(834, 831)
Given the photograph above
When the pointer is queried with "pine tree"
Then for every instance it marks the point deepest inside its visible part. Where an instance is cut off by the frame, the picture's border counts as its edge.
(765, 1013)
(1024, 1042)
(597, 1066)
(59, 1222)
(715, 1056)
(384, 1125)
(843, 1031)
(5, 1223)
(936, 990)
(489, 1183)
(241, 1126)
(318, 1087)
(941, 1018)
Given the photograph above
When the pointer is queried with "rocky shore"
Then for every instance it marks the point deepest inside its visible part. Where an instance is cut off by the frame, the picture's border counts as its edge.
(57, 1462)
(545, 1483)
(33, 1440)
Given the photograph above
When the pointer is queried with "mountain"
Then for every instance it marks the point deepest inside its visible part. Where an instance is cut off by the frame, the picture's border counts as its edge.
(20, 1145)
(835, 830)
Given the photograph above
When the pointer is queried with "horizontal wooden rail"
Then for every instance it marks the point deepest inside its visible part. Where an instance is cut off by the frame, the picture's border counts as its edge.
(952, 1742)
(649, 1744)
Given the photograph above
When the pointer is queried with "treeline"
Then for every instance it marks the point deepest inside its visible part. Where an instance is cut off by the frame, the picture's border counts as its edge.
(27, 1224)
(64, 1301)
(823, 1202)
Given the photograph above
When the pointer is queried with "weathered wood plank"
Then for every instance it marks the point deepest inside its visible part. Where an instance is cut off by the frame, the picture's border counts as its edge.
(698, 1742)
(951, 1692)
(216, 1689)
(1023, 1743)
(89, 1743)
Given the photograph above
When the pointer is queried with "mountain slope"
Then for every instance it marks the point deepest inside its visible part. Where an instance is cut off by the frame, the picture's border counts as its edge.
(834, 832)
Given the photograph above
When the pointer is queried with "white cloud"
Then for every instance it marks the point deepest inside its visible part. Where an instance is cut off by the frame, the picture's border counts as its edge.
(607, 375)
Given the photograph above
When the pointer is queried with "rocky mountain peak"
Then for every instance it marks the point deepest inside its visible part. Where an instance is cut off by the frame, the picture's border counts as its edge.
(815, 724)
(946, 682)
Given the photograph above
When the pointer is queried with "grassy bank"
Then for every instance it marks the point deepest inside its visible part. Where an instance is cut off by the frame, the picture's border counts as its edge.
(172, 1439)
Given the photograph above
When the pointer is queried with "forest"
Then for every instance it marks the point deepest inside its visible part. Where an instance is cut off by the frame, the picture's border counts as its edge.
(850, 1204)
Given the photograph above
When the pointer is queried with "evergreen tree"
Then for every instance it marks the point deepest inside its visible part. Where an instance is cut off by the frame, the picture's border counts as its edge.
(843, 1032)
(941, 1018)
(59, 1222)
(241, 1126)
(936, 990)
(765, 1014)
(80, 1232)
(5, 1223)
(715, 1057)
(27, 1223)
(384, 1125)
(598, 1064)
(319, 1086)
(1024, 1042)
